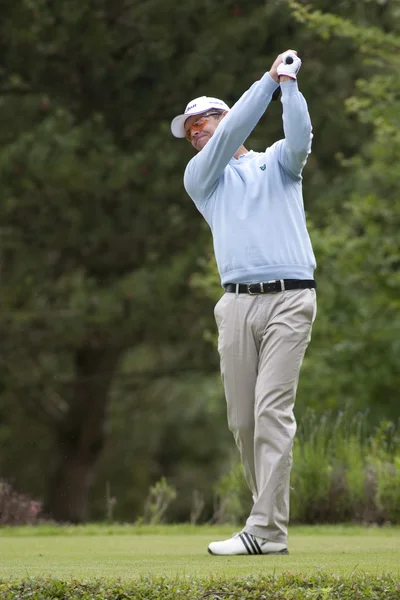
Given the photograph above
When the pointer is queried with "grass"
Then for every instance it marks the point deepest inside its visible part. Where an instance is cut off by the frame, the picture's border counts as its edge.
(129, 552)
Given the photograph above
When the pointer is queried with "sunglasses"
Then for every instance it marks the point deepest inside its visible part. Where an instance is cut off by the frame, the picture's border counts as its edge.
(199, 123)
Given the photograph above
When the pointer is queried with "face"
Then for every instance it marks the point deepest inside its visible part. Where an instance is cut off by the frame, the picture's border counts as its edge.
(199, 129)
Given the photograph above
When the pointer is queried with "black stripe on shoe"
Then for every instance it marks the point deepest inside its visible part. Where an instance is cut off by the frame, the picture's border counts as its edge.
(246, 543)
(252, 542)
(257, 545)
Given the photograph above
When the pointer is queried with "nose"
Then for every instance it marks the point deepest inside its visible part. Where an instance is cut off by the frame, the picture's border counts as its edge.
(196, 133)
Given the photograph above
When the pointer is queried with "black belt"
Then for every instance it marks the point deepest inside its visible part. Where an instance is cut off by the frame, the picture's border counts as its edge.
(270, 287)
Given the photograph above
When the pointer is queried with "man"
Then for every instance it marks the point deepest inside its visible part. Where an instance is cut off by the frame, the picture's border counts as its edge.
(253, 204)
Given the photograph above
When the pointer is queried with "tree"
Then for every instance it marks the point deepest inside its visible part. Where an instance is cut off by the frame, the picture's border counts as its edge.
(99, 242)
(98, 239)
(354, 357)
(354, 224)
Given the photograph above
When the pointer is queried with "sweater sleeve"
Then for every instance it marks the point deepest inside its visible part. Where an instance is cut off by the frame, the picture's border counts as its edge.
(295, 148)
(203, 171)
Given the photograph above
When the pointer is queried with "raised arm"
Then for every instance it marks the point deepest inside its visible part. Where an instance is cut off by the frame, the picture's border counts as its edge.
(295, 148)
(204, 170)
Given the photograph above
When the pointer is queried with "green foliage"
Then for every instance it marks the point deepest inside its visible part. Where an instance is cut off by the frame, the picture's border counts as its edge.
(173, 429)
(232, 497)
(311, 474)
(161, 494)
(347, 475)
(360, 27)
(340, 473)
(102, 253)
(388, 485)
(385, 460)
(329, 476)
(354, 354)
(285, 587)
(354, 217)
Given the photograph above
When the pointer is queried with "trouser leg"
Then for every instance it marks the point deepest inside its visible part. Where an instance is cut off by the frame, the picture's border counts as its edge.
(238, 347)
(285, 337)
(262, 341)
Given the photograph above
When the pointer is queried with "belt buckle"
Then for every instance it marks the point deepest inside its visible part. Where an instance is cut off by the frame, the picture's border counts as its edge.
(261, 286)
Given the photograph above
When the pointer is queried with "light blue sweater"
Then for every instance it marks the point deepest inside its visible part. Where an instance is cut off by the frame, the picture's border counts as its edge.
(254, 204)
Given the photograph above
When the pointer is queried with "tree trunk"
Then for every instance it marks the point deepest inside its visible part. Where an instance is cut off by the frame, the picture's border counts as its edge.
(81, 436)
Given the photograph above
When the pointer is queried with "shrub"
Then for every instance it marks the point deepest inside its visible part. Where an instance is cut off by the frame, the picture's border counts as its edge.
(311, 472)
(340, 474)
(232, 497)
(385, 461)
(160, 496)
(17, 508)
(285, 586)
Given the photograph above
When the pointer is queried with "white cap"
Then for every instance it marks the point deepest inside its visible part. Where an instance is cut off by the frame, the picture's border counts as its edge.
(195, 107)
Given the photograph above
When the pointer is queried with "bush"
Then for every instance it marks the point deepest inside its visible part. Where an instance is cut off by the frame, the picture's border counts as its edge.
(340, 474)
(312, 476)
(385, 461)
(287, 587)
(16, 508)
(388, 490)
(329, 477)
(232, 497)
(161, 494)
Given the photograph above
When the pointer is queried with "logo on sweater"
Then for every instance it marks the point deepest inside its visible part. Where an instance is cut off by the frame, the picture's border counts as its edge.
(263, 167)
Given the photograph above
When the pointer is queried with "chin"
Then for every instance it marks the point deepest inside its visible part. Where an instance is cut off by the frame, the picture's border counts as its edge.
(202, 143)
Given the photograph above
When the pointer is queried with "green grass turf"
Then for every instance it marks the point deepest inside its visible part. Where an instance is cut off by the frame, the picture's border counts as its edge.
(125, 552)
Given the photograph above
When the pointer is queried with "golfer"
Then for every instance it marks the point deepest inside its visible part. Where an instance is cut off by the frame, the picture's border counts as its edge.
(253, 203)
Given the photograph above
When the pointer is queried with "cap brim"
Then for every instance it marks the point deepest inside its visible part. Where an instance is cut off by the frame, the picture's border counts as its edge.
(178, 126)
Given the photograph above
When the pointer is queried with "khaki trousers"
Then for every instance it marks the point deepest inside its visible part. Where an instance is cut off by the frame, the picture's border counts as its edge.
(262, 340)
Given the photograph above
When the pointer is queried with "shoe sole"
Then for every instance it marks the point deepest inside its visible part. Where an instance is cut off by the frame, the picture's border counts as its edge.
(284, 551)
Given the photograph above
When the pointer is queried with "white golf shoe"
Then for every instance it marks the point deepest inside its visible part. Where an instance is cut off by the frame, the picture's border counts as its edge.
(246, 543)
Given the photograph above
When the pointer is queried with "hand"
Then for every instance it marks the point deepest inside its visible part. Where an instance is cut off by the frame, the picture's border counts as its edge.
(290, 66)
(293, 68)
